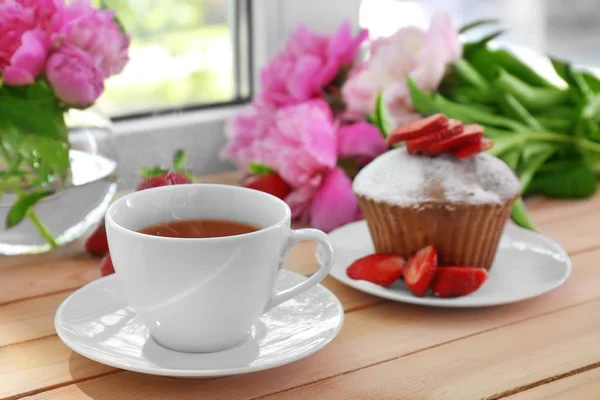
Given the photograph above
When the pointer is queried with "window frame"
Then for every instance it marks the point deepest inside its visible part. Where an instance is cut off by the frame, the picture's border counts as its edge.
(243, 68)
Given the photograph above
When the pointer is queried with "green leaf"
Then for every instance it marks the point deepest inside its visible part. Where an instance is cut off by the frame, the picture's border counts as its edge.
(383, 118)
(488, 62)
(428, 104)
(554, 123)
(465, 71)
(504, 143)
(472, 47)
(511, 158)
(514, 109)
(532, 98)
(534, 156)
(572, 77)
(33, 117)
(473, 115)
(591, 130)
(591, 108)
(21, 206)
(475, 24)
(260, 169)
(179, 160)
(574, 180)
(567, 112)
(421, 100)
(520, 216)
(472, 96)
(592, 81)
(152, 172)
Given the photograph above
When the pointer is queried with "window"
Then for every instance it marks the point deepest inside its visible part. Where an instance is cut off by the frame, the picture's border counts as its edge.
(184, 54)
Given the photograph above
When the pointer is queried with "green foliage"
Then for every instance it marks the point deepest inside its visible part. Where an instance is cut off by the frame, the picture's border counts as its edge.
(549, 136)
(34, 151)
(382, 118)
(568, 180)
(22, 206)
(260, 169)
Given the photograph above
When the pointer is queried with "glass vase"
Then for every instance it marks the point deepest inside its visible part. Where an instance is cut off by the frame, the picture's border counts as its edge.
(78, 204)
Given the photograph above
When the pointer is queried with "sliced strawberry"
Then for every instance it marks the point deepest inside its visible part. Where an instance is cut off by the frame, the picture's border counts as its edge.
(382, 269)
(458, 281)
(422, 143)
(418, 128)
(420, 270)
(97, 243)
(106, 266)
(474, 148)
(471, 134)
(486, 144)
(270, 183)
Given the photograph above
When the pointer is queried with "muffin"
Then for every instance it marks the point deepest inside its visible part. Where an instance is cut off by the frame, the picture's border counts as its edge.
(458, 205)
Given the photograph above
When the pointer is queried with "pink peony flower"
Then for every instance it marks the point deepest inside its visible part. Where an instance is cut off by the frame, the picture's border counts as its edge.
(94, 31)
(74, 76)
(302, 142)
(424, 56)
(361, 140)
(28, 61)
(308, 63)
(246, 135)
(297, 141)
(335, 203)
(15, 20)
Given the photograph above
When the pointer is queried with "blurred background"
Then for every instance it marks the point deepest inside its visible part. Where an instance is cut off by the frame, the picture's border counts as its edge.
(197, 52)
(194, 62)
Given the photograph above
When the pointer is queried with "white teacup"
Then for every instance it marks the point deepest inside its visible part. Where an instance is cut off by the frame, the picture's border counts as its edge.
(204, 294)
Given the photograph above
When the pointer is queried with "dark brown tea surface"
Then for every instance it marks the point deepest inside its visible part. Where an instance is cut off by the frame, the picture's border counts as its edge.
(199, 228)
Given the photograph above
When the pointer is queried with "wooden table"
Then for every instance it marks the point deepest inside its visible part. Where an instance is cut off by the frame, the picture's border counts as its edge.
(545, 348)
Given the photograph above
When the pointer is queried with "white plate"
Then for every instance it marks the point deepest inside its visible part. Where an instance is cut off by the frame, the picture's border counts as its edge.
(97, 323)
(527, 264)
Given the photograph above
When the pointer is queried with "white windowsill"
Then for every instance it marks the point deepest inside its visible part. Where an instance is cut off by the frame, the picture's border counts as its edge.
(170, 122)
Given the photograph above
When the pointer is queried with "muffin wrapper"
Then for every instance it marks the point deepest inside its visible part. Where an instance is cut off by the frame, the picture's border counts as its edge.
(463, 234)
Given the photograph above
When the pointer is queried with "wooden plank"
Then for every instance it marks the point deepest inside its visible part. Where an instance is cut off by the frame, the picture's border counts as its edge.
(25, 281)
(574, 235)
(42, 363)
(582, 386)
(387, 330)
(489, 365)
(29, 319)
(544, 209)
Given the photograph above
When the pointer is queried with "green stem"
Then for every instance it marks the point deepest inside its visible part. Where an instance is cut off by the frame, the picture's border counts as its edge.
(549, 137)
(41, 228)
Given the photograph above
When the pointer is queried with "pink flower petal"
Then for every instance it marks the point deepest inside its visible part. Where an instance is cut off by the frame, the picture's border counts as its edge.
(300, 85)
(334, 204)
(17, 76)
(360, 140)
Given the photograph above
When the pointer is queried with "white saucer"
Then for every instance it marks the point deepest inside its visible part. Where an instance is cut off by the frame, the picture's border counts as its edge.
(96, 322)
(527, 264)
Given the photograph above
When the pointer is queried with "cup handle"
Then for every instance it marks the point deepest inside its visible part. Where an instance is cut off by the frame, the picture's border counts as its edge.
(326, 262)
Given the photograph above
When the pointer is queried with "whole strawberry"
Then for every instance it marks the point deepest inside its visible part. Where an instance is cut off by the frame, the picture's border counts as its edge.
(164, 179)
(97, 243)
(106, 266)
(157, 176)
(266, 180)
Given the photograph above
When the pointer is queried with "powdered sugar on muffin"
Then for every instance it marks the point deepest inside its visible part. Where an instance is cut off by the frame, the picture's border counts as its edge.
(399, 178)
